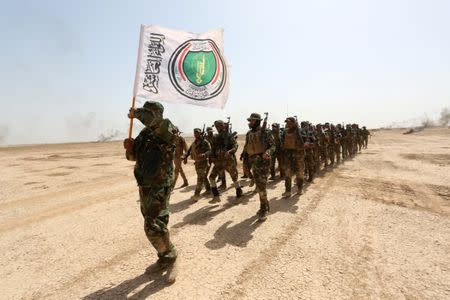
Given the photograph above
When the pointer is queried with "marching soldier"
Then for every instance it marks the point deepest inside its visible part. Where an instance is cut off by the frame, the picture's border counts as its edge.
(365, 134)
(222, 177)
(293, 156)
(259, 146)
(277, 154)
(153, 150)
(223, 148)
(180, 150)
(323, 145)
(199, 152)
(309, 147)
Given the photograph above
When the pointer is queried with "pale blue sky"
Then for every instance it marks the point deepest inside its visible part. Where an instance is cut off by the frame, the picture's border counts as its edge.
(67, 67)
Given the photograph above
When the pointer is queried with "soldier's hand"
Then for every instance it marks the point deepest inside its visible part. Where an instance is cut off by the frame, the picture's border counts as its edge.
(266, 156)
(128, 144)
(131, 112)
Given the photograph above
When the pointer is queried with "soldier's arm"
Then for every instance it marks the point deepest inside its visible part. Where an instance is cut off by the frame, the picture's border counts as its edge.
(167, 131)
(244, 150)
(207, 148)
(271, 147)
(130, 152)
(212, 153)
(234, 146)
(188, 152)
(185, 148)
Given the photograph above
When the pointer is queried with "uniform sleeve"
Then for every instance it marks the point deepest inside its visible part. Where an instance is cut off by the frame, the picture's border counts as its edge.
(185, 148)
(271, 147)
(212, 153)
(206, 148)
(244, 151)
(234, 144)
(131, 155)
(167, 131)
(188, 152)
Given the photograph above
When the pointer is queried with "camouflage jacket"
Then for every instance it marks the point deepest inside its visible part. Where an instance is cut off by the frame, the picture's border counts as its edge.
(266, 138)
(221, 144)
(153, 151)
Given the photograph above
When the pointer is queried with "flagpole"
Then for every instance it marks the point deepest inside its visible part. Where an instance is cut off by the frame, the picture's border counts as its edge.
(136, 81)
(130, 128)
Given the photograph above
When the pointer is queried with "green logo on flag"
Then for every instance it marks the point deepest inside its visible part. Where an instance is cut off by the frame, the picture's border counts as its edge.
(197, 69)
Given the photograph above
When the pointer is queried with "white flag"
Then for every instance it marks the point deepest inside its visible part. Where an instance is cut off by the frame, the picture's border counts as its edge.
(181, 67)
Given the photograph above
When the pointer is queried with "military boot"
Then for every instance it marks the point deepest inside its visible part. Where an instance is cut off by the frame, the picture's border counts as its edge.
(224, 183)
(207, 186)
(288, 186)
(263, 211)
(238, 192)
(196, 196)
(185, 184)
(272, 175)
(216, 195)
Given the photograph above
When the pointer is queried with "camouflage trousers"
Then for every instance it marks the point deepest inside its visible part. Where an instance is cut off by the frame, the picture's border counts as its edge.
(323, 154)
(360, 143)
(246, 167)
(154, 208)
(294, 165)
(344, 148)
(310, 167)
(178, 170)
(337, 152)
(273, 159)
(316, 157)
(330, 152)
(366, 141)
(221, 165)
(201, 168)
(260, 170)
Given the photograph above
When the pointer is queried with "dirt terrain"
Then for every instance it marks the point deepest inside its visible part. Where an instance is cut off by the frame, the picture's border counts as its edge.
(377, 226)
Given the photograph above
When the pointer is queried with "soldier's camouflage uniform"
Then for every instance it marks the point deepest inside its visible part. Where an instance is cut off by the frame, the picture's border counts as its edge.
(153, 151)
(315, 150)
(294, 157)
(344, 142)
(223, 147)
(335, 148)
(309, 151)
(180, 149)
(258, 142)
(277, 155)
(323, 146)
(365, 134)
(199, 152)
(210, 137)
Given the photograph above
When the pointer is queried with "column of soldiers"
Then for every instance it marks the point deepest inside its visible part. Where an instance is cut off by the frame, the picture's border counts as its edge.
(296, 150)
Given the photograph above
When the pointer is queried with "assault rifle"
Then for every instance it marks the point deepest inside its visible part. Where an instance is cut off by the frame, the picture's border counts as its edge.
(264, 125)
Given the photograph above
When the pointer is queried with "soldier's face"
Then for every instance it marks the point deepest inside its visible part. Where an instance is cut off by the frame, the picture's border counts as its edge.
(220, 127)
(197, 135)
(210, 132)
(290, 124)
(252, 123)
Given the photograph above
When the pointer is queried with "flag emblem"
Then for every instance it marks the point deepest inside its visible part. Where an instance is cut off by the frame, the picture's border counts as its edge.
(197, 69)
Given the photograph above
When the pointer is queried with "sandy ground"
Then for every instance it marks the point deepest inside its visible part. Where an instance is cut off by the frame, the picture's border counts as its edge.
(377, 226)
